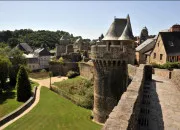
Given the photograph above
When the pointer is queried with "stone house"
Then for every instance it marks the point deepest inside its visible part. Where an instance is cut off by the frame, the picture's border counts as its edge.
(61, 47)
(44, 57)
(80, 45)
(143, 50)
(167, 46)
(32, 61)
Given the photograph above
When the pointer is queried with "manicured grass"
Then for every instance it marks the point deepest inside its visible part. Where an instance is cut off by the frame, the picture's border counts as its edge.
(39, 75)
(78, 89)
(54, 112)
(8, 101)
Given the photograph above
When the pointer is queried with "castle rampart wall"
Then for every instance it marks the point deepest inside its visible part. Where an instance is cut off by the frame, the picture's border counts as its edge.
(122, 116)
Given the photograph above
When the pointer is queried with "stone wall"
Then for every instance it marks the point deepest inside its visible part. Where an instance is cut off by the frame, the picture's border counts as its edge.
(62, 69)
(175, 77)
(124, 115)
(19, 110)
(131, 71)
(86, 70)
(161, 72)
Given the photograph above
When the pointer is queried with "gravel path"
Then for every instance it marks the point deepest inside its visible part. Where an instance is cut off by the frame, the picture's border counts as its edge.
(169, 99)
(43, 82)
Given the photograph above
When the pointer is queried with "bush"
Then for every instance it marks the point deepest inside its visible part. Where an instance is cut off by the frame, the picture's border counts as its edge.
(168, 65)
(61, 60)
(23, 85)
(72, 74)
(43, 70)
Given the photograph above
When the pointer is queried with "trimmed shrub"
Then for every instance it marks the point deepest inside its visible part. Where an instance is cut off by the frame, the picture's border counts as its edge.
(72, 74)
(168, 65)
(23, 85)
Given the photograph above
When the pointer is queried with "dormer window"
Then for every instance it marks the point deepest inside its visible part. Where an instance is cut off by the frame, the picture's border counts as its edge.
(171, 43)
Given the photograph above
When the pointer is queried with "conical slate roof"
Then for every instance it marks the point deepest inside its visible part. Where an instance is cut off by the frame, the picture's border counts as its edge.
(127, 33)
(120, 29)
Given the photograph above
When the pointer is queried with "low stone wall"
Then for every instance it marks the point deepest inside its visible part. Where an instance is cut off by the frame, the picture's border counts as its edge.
(86, 70)
(19, 110)
(175, 77)
(124, 115)
(62, 69)
(131, 71)
(162, 72)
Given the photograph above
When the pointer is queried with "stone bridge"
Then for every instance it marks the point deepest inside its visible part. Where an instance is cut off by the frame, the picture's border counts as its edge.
(151, 102)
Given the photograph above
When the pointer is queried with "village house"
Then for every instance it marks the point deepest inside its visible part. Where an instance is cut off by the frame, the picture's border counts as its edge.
(44, 57)
(143, 50)
(167, 46)
(32, 61)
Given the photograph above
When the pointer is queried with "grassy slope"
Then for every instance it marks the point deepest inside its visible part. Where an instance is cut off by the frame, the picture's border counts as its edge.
(77, 85)
(54, 112)
(8, 101)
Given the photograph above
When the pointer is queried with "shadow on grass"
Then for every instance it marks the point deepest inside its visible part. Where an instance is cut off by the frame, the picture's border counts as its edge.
(8, 93)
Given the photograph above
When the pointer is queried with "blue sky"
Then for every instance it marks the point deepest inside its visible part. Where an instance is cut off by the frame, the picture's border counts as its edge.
(88, 18)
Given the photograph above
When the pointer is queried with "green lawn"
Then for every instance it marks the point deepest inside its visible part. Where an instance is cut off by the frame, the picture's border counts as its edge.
(8, 101)
(54, 112)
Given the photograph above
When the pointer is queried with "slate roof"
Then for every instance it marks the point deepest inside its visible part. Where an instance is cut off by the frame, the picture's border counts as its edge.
(64, 38)
(25, 46)
(149, 44)
(171, 41)
(42, 52)
(120, 29)
(78, 40)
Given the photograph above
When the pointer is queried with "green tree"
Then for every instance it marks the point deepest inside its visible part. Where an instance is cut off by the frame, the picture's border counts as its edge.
(17, 59)
(12, 42)
(23, 85)
(4, 69)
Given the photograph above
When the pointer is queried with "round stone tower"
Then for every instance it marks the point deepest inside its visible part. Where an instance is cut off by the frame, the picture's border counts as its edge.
(110, 63)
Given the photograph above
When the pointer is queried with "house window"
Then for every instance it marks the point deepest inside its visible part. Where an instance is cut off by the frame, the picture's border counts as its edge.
(158, 43)
(161, 56)
(154, 55)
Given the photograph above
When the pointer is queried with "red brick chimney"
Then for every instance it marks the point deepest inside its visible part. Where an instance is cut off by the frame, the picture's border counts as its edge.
(175, 28)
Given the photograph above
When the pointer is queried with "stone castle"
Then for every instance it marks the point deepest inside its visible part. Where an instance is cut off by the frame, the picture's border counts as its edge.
(110, 59)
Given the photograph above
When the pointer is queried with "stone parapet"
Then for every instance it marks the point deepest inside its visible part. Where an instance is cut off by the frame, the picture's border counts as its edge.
(114, 52)
(162, 72)
(122, 116)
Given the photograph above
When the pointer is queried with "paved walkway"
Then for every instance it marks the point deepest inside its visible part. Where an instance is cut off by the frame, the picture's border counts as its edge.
(169, 99)
(43, 82)
(46, 82)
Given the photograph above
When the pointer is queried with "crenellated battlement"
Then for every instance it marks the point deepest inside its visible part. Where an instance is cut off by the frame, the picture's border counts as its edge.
(111, 52)
(106, 63)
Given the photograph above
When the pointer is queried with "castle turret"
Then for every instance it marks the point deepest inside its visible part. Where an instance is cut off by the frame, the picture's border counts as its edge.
(110, 61)
(144, 35)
